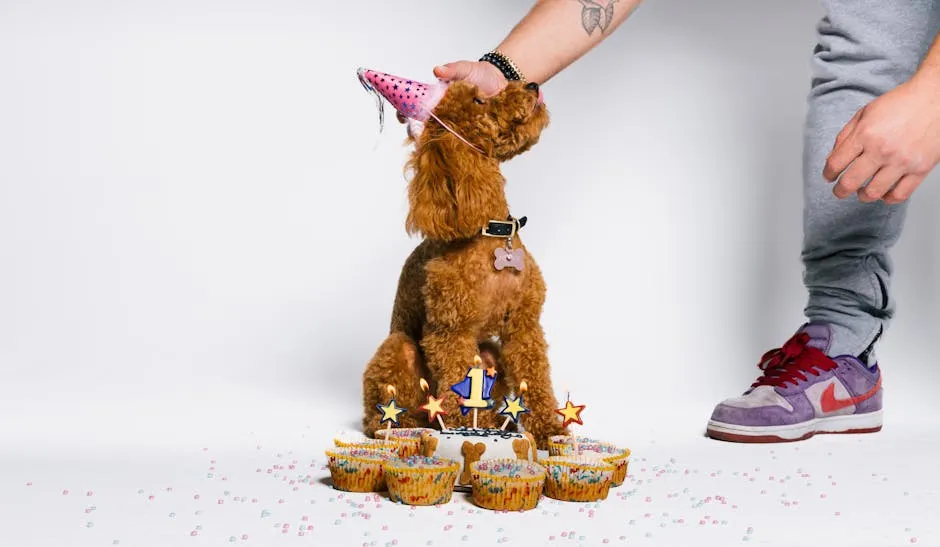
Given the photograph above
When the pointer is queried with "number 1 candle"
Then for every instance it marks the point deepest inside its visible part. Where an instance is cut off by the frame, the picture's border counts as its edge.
(474, 390)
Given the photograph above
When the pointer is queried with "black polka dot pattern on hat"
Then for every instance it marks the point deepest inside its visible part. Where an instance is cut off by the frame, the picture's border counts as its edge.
(403, 94)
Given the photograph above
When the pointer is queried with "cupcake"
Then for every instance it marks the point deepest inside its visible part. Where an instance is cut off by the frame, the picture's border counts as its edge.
(577, 478)
(409, 439)
(421, 481)
(620, 459)
(506, 484)
(563, 445)
(356, 469)
(353, 441)
(610, 453)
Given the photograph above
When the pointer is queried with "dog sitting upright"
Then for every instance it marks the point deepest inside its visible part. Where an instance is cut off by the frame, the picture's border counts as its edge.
(469, 288)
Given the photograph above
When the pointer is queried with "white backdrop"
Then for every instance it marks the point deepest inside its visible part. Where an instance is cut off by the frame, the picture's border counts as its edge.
(201, 229)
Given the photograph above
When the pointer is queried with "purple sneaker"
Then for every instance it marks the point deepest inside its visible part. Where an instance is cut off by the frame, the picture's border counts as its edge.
(802, 392)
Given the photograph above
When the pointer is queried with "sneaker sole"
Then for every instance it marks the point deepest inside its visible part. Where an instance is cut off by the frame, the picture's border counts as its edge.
(839, 425)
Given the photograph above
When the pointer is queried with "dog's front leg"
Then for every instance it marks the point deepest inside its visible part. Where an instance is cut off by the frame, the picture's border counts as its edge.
(450, 340)
(449, 355)
(525, 358)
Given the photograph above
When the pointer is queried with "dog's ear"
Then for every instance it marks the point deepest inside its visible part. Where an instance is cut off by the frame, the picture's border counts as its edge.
(454, 190)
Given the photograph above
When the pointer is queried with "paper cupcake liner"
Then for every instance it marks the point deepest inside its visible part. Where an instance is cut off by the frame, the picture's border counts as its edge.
(421, 481)
(577, 478)
(506, 484)
(409, 439)
(610, 453)
(563, 445)
(620, 459)
(356, 469)
(376, 444)
(558, 449)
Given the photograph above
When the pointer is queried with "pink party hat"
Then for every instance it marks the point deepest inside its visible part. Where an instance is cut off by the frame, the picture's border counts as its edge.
(414, 100)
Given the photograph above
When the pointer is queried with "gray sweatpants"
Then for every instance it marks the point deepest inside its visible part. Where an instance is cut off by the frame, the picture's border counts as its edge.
(865, 48)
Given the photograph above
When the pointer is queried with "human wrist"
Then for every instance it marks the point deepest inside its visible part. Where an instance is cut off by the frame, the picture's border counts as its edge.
(493, 72)
(927, 80)
(503, 63)
(927, 76)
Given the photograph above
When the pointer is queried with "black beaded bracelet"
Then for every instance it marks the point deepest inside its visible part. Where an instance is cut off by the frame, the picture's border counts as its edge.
(504, 64)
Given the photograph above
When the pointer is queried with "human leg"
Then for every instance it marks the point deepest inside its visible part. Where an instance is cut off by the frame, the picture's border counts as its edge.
(865, 48)
(818, 381)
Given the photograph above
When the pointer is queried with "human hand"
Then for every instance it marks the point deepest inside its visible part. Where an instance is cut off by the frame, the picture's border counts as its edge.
(894, 141)
(484, 75)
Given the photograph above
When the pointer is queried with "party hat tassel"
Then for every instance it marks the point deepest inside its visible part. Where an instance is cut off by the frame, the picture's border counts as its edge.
(378, 96)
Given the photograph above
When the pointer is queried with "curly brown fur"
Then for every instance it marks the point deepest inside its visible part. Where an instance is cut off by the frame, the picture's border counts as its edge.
(451, 303)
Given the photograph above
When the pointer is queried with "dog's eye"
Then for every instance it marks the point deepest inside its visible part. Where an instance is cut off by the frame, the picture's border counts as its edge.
(478, 100)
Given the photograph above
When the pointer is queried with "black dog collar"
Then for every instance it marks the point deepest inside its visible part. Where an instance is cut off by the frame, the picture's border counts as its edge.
(504, 228)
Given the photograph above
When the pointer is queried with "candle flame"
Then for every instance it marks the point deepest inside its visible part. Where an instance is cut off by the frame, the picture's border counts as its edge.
(391, 390)
(424, 385)
(523, 387)
(477, 360)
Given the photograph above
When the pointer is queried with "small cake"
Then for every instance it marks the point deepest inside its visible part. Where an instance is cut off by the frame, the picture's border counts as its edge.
(351, 441)
(577, 478)
(419, 480)
(507, 484)
(357, 469)
(409, 439)
(563, 445)
(619, 458)
(466, 445)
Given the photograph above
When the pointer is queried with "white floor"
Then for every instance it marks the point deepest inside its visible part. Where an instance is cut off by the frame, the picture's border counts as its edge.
(201, 231)
(249, 471)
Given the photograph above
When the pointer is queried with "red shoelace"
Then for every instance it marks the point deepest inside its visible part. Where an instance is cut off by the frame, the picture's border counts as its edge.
(792, 362)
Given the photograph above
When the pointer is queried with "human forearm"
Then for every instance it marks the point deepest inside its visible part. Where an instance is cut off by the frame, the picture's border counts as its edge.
(928, 74)
(552, 35)
(555, 33)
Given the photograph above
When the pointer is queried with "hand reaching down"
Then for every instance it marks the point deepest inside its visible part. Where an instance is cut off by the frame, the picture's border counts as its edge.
(894, 141)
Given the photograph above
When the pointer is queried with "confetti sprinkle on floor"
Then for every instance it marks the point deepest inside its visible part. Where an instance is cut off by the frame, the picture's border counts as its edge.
(272, 488)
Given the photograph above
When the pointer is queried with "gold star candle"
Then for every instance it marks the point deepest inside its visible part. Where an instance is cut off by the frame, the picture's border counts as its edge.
(571, 414)
(514, 407)
(433, 406)
(391, 411)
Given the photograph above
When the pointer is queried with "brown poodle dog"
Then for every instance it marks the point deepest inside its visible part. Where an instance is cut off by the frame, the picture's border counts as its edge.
(452, 302)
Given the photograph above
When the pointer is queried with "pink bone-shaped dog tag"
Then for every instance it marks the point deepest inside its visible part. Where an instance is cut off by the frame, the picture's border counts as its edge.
(511, 259)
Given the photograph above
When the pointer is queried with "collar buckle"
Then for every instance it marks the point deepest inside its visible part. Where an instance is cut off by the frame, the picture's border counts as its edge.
(500, 228)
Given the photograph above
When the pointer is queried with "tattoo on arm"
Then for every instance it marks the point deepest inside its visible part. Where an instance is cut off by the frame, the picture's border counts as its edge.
(595, 15)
